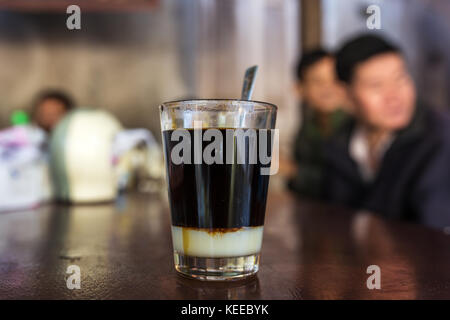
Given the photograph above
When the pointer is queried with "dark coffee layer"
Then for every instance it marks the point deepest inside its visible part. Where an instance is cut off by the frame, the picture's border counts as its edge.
(217, 195)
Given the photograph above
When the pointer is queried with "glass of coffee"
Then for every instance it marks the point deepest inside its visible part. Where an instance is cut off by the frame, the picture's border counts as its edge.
(218, 156)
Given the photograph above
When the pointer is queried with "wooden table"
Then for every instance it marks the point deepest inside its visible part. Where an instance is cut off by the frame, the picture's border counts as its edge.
(310, 251)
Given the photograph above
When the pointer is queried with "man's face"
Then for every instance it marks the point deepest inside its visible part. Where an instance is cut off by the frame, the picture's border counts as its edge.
(48, 113)
(383, 92)
(319, 87)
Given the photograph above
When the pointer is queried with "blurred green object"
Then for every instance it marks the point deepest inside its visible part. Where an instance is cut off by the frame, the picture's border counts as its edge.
(19, 117)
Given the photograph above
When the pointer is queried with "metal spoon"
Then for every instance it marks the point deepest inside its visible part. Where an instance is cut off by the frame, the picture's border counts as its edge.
(249, 83)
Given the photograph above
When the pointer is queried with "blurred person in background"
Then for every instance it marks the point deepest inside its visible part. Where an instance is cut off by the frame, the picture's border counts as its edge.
(393, 159)
(49, 107)
(322, 97)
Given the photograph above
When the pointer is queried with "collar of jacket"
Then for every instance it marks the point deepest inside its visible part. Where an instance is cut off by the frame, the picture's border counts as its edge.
(417, 128)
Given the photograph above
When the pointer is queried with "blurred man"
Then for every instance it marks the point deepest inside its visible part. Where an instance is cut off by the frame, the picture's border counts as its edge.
(321, 96)
(49, 107)
(394, 159)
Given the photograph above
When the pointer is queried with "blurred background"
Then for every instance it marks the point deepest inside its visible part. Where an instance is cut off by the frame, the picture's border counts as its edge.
(130, 56)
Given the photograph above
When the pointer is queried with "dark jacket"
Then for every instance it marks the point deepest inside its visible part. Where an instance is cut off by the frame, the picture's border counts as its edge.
(308, 151)
(413, 181)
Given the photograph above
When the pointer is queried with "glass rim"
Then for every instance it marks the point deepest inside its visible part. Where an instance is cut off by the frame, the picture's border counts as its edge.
(266, 105)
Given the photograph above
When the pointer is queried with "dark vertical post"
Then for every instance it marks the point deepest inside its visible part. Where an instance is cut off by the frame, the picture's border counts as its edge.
(311, 23)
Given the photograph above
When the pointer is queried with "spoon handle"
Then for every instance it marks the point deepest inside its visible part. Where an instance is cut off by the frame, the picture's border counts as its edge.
(249, 83)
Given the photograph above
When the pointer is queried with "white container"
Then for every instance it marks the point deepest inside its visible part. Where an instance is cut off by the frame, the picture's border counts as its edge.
(81, 157)
(24, 173)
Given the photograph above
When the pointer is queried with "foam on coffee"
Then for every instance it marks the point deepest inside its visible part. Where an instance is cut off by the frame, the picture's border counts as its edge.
(217, 243)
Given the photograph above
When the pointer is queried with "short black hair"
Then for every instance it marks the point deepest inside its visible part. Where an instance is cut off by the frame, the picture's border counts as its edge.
(56, 94)
(358, 50)
(310, 58)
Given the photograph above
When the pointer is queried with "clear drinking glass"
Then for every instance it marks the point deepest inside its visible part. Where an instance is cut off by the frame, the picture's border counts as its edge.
(217, 155)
